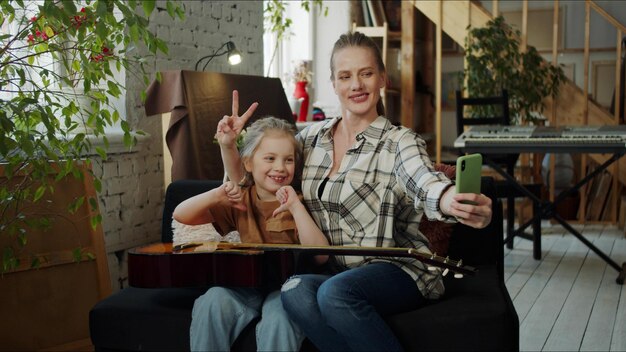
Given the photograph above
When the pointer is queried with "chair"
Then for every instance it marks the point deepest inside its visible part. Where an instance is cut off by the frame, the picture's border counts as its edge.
(498, 108)
(475, 312)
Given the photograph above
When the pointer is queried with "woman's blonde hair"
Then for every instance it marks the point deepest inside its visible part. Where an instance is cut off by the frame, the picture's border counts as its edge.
(254, 135)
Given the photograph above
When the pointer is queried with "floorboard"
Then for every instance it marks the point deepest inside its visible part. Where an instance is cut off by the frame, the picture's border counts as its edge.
(569, 300)
(618, 339)
(597, 336)
(569, 328)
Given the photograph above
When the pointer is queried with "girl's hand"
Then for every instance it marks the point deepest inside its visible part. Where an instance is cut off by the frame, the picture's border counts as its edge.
(287, 197)
(234, 195)
(229, 127)
(477, 214)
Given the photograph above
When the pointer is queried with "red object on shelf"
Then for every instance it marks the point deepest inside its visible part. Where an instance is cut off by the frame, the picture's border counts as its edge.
(300, 92)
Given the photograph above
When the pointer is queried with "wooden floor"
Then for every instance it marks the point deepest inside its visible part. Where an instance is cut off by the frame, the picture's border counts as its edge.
(569, 300)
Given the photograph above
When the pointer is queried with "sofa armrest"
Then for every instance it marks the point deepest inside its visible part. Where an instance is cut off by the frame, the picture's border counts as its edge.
(177, 192)
(478, 247)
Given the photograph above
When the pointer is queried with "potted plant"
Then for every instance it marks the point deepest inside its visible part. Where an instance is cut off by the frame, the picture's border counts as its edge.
(495, 62)
(53, 55)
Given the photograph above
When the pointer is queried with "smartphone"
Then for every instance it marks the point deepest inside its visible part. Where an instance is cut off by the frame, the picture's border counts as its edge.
(468, 173)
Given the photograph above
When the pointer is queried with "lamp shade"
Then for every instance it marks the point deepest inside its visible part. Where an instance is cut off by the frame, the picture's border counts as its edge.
(234, 58)
(233, 55)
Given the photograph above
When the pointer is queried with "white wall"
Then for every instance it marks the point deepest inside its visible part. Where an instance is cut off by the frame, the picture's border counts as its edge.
(328, 29)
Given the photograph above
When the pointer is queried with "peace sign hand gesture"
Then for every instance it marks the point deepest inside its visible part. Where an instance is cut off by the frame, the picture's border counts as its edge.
(230, 127)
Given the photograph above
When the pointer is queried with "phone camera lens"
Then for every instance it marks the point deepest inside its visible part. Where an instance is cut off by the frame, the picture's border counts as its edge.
(463, 165)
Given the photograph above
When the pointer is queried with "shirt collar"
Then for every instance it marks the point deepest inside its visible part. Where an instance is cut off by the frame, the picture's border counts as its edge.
(326, 130)
(373, 133)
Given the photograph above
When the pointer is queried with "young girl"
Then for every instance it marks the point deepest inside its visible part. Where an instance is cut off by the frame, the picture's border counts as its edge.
(266, 210)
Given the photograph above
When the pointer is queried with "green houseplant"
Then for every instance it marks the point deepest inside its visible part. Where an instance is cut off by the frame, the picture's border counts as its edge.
(495, 62)
(58, 61)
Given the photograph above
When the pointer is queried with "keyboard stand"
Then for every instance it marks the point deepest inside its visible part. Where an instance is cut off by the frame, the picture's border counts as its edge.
(548, 208)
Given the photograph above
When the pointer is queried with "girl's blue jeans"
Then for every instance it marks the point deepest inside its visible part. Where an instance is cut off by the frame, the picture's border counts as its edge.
(345, 312)
(220, 315)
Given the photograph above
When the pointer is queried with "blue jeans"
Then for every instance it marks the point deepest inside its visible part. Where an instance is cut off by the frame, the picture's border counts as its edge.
(345, 312)
(221, 314)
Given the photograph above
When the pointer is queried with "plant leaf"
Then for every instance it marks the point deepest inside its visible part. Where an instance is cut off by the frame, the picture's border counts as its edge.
(148, 6)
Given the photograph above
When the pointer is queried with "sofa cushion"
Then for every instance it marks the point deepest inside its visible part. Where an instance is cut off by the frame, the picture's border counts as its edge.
(474, 312)
(144, 319)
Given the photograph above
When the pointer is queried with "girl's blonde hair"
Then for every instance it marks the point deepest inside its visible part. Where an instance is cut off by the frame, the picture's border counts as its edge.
(254, 135)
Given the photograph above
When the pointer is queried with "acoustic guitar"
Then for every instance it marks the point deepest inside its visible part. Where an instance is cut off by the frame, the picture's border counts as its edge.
(247, 264)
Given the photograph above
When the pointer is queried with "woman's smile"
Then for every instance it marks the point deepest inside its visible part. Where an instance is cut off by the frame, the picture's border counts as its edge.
(359, 98)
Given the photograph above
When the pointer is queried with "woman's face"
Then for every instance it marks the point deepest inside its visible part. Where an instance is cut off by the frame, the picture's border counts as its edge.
(357, 82)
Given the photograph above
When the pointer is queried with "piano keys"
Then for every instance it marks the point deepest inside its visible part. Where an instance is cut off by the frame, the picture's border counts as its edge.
(543, 139)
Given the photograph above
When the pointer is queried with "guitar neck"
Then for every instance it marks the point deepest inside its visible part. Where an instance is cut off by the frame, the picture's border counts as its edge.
(427, 258)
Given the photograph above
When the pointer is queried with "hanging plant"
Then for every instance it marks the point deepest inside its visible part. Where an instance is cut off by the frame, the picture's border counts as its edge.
(53, 55)
(495, 62)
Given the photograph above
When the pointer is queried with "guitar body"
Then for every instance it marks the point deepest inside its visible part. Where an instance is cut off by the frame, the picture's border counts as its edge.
(156, 265)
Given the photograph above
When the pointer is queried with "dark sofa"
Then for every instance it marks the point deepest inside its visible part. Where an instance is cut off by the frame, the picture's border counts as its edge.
(476, 312)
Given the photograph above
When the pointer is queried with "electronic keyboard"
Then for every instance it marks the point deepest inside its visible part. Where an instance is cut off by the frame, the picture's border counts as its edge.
(543, 139)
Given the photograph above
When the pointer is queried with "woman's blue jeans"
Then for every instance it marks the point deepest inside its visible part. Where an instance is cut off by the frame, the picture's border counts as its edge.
(345, 311)
(219, 316)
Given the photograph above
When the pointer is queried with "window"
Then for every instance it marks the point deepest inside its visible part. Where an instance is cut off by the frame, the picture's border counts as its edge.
(44, 66)
(279, 59)
(10, 83)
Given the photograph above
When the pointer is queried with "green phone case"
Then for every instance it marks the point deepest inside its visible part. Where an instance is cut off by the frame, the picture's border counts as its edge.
(468, 172)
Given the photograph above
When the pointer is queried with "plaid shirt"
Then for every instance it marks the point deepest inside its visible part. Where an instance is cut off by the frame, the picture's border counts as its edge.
(384, 185)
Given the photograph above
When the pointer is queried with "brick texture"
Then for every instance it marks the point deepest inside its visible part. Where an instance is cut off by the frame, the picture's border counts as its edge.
(131, 200)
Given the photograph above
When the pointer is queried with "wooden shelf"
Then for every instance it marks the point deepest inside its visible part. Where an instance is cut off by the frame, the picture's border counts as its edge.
(401, 100)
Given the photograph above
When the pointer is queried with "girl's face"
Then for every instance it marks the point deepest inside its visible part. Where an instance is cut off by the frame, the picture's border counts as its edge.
(272, 165)
(357, 81)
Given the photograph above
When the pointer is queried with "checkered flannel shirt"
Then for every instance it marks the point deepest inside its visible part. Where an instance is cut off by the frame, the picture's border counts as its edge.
(386, 182)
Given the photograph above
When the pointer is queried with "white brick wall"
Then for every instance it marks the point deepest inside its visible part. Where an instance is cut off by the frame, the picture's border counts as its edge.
(131, 201)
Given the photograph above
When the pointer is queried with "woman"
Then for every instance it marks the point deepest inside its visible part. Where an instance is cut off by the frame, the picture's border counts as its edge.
(366, 183)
